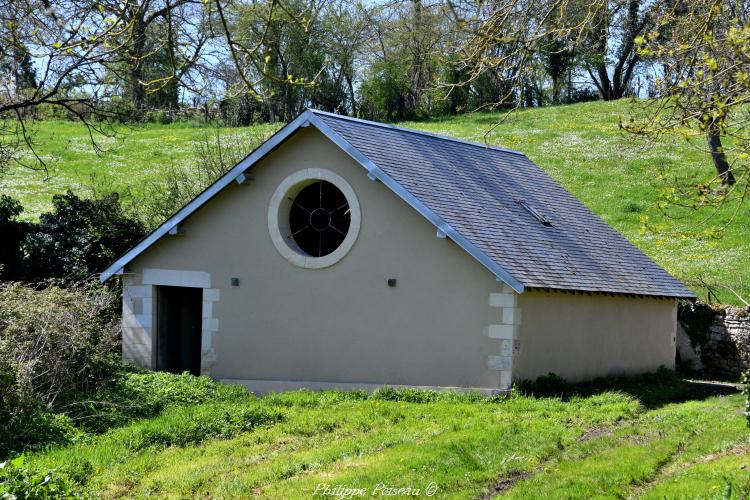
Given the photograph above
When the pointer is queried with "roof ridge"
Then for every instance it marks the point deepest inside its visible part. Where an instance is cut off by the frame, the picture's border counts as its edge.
(416, 132)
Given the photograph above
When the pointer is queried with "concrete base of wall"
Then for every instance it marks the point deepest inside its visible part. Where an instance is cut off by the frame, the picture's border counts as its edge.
(266, 386)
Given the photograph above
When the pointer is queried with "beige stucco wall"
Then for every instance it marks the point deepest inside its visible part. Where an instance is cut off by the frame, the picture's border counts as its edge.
(342, 323)
(579, 336)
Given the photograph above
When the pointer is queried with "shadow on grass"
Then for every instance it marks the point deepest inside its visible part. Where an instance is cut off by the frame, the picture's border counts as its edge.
(653, 390)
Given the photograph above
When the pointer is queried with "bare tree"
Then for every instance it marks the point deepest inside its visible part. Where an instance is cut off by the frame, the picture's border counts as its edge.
(174, 32)
(609, 49)
(80, 56)
(504, 38)
(69, 42)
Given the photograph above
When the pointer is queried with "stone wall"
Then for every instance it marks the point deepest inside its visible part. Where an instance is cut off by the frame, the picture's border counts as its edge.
(714, 342)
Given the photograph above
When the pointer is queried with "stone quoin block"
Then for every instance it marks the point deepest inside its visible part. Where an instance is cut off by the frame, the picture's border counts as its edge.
(511, 316)
(500, 332)
(502, 300)
(499, 363)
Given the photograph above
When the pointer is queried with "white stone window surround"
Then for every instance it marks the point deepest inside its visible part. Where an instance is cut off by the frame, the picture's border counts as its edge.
(139, 314)
(278, 217)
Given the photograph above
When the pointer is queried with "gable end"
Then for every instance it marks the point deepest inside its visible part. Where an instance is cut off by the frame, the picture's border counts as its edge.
(238, 173)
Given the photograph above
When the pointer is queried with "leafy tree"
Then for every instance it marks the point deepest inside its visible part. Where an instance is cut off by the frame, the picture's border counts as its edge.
(16, 62)
(304, 55)
(78, 238)
(403, 60)
(559, 59)
(346, 32)
(560, 54)
(272, 47)
(385, 90)
(456, 100)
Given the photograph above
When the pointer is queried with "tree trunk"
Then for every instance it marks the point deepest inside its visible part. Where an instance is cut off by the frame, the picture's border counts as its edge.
(271, 111)
(605, 85)
(601, 79)
(135, 74)
(528, 94)
(352, 94)
(417, 57)
(556, 87)
(719, 157)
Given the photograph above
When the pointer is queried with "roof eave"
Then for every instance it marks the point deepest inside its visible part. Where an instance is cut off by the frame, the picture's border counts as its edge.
(685, 295)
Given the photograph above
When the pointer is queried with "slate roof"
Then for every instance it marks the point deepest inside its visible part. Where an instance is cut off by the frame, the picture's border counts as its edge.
(478, 190)
(484, 198)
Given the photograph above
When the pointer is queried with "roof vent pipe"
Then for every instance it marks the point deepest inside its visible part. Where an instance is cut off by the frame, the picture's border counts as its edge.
(536, 213)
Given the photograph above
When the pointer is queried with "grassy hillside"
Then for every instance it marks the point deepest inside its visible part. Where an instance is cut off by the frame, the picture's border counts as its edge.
(643, 439)
(580, 146)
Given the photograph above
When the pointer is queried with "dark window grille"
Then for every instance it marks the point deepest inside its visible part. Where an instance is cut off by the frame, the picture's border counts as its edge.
(319, 218)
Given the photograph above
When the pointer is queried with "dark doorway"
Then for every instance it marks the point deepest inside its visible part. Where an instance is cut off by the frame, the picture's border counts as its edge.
(178, 329)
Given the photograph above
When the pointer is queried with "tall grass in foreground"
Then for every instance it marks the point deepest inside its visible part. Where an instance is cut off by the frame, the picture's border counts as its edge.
(630, 437)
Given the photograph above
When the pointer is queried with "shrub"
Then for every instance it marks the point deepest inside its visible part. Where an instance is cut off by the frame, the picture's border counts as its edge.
(79, 237)
(584, 94)
(239, 111)
(412, 395)
(13, 232)
(19, 482)
(54, 343)
(405, 394)
(696, 318)
(129, 396)
(215, 154)
(161, 116)
(550, 385)
(651, 389)
(24, 431)
(160, 389)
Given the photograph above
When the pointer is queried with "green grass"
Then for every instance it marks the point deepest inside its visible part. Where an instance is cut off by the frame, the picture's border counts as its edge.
(658, 439)
(126, 161)
(581, 146)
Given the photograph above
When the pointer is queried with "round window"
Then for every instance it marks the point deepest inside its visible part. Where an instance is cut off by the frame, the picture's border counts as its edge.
(319, 218)
(314, 218)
